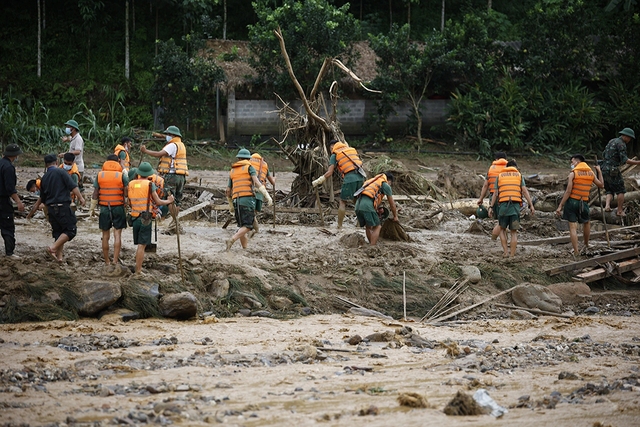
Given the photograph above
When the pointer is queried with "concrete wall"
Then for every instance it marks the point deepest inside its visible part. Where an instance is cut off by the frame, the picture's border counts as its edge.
(259, 117)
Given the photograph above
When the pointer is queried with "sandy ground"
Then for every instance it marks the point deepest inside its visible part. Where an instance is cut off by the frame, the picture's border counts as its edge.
(256, 371)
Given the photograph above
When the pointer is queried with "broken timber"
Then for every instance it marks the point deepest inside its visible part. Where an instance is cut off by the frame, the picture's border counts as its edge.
(192, 212)
(603, 272)
(629, 253)
(290, 210)
(567, 239)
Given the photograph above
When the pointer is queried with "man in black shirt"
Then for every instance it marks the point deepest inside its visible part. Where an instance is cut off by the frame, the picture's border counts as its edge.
(56, 187)
(8, 191)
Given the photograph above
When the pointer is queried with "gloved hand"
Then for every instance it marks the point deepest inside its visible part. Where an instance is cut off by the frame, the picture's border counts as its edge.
(318, 181)
(92, 208)
(231, 209)
(267, 198)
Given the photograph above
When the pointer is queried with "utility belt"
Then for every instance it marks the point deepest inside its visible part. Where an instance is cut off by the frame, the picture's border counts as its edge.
(55, 205)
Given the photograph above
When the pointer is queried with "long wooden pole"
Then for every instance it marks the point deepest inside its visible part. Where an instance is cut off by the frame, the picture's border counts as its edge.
(404, 295)
(319, 205)
(604, 214)
(274, 198)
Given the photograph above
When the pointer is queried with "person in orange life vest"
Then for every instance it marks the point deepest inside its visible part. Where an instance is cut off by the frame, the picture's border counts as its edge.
(348, 162)
(160, 211)
(510, 189)
(496, 167)
(243, 179)
(262, 170)
(122, 151)
(76, 147)
(33, 186)
(173, 165)
(142, 194)
(110, 192)
(370, 196)
(576, 199)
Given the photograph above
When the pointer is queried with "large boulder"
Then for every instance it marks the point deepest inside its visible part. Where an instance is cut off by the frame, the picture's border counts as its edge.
(96, 296)
(219, 288)
(179, 306)
(530, 295)
(472, 273)
(572, 292)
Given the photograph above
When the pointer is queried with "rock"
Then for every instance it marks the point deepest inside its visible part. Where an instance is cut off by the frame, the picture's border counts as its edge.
(219, 288)
(123, 314)
(260, 313)
(179, 306)
(305, 311)
(471, 272)
(249, 300)
(244, 312)
(564, 375)
(354, 339)
(95, 296)
(279, 302)
(592, 310)
(386, 336)
(521, 315)
(412, 400)
(353, 240)
(571, 292)
(151, 289)
(537, 296)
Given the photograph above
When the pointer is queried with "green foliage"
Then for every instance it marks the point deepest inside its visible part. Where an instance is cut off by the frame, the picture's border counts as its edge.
(405, 68)
(623, 106)
(313, 30)
(185, 86)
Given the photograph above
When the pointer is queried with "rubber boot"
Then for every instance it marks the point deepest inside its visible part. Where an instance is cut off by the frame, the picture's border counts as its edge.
(341, 214)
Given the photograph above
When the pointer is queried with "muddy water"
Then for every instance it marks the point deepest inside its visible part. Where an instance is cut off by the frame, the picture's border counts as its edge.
(264, 372)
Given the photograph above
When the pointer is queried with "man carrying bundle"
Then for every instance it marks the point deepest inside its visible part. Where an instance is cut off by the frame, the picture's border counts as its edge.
(369, 197)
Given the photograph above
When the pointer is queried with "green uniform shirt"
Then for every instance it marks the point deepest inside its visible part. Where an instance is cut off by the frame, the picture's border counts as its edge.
(614, 154)
(365, 203)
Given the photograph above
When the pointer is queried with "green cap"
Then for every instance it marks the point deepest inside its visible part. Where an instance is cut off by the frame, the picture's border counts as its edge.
(244, 154)
(482, 212)
(628, 132)
(132, 173)
(173, 130)
(73, 124)
(145, 169)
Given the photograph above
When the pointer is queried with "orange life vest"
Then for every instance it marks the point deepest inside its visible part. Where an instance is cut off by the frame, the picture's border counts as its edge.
(496, 167)
(73, 171)
(179, 162)
(583, 178)
(110, 186)
(159, 182)
(347, 158)
(38, 181)
(119, 149)
(241, 182)
(510, 185)
(261, 168)
(139, 197)
(373, 188)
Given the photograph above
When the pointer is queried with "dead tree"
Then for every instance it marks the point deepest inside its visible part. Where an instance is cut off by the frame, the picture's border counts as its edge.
(305, 135)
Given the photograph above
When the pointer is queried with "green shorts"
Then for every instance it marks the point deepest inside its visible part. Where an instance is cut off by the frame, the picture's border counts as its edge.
(509, 221)
(367, 218)
(174, 184)
(613, 183)
(115, 218)
(576, 211)
(348, 190)
(244, 216)
(141, 233)
(258, 204)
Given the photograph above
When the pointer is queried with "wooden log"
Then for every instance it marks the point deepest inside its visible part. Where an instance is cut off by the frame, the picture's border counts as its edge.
(533, 310)
(291, 210)
(601, 273)
(484, 301)
(192, 212)
(594, 261)
(567, 239)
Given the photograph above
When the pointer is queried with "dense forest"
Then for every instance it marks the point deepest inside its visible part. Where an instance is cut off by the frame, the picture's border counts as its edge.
(546, 76)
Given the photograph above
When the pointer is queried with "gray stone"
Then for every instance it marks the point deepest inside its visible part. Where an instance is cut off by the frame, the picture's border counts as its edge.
(96, 296)
(471, 272)
(537, 296)
(592, 310)
(179, 306)
(571, 292)
(219, 288)
(279, 302)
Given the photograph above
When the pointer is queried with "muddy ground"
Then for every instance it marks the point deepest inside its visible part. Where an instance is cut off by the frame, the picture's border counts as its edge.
(289, 363)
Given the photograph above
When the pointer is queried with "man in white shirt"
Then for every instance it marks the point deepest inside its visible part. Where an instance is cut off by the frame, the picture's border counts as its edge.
(76, 146)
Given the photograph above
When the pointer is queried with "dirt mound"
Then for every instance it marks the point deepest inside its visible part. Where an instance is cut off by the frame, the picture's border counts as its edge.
(459, 182)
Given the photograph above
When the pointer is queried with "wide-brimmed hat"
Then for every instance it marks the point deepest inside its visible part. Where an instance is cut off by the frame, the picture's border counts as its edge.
(243, 154)
(173, 130)
(132, 173)
(12, 150)
(145, 169)
(72, 123)
(628, 132)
